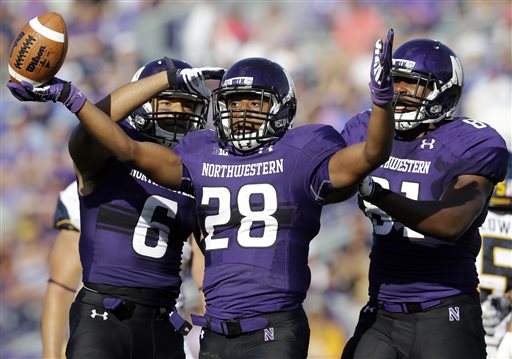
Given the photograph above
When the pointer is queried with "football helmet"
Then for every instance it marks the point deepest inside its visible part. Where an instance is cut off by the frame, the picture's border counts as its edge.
(259, 78)
(164, 126)
(430, 65)
(501, 198)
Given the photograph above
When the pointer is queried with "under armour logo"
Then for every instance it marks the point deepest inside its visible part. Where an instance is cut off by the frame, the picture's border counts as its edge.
(95, 314)
(269, 149)
(454, 314)
(369, 308)
(430, 145)
(202, 334)
(269, 334)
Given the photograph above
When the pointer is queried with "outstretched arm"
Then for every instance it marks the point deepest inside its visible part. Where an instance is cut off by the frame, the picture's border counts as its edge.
(88, 155)
(348, 166)
(158, 162)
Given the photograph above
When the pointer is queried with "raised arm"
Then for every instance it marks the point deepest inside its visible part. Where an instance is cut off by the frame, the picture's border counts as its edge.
(157, 161)
(350, 165)
(89, 156)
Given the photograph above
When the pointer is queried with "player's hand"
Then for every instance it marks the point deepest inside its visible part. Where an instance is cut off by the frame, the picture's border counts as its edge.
(367, 188)
(381, 84)
(54, 90)
(192, 80)
(494, 309)
(371, 191)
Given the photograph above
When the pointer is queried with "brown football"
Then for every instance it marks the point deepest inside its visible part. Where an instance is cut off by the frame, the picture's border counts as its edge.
(39, 49)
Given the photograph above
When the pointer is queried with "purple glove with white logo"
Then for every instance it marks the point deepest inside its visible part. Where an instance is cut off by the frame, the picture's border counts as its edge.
(381, 84)
(192, 80)
(54, 90)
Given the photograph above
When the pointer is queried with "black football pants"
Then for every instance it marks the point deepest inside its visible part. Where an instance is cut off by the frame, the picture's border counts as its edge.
(285, 337)
(451, 330)
(144, 333)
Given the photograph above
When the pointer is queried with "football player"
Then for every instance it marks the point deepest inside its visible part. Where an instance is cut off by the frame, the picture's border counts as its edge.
(132, 230)
(495, 268)
(65, 273)
(426, 204)
(259, 186)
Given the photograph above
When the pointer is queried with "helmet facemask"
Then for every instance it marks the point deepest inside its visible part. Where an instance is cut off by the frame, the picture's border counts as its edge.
(432, 100)
(166, 123)
(411, 108)
(249, 129)
(168, 127)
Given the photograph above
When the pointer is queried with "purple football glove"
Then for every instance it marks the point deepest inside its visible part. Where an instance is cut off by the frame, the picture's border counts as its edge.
(192, 80)
(381, 84)
(54, 90)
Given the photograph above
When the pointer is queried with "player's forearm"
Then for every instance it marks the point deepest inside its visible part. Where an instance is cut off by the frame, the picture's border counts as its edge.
(88, 153)
(54, 320)
(432, 218)
(124, 100)
(107, 132)
(379, 138)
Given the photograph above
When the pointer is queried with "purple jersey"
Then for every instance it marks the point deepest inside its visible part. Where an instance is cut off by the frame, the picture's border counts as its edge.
(258, 212)
(133, 230)
(407, 266)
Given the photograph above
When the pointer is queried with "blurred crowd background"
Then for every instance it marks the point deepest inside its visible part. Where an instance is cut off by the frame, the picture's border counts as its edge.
(325, 45)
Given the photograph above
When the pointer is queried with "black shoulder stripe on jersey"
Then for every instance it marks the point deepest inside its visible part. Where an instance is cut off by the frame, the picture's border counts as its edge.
(117, 218)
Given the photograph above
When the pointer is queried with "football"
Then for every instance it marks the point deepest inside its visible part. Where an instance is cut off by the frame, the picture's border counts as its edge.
(39, 49)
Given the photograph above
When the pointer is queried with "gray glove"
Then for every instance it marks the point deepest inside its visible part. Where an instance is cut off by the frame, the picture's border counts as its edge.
(494, 309)
(370, 191)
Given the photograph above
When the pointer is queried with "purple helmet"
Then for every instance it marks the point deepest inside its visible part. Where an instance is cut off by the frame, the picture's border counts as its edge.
(269, 81)
(168, 127)
(434, 66)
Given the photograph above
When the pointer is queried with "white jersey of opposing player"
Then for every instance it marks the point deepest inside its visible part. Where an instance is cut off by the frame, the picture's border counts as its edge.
(496, 234)
(69, 197)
